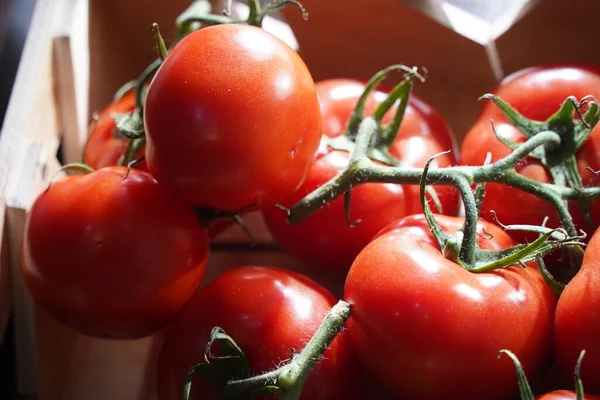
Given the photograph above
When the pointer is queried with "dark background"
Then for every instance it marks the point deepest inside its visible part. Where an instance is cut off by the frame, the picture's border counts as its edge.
(15, 17)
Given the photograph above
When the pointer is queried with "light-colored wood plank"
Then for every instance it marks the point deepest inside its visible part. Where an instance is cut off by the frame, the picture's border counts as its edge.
(71, 70)
(31, 171)
(30, 125)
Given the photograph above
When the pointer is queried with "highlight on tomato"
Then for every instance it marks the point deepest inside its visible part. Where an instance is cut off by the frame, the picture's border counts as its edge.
(112, 254)
(232, 119)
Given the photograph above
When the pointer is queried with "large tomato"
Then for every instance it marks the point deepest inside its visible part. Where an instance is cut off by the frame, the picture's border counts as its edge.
(325, 240)
(268, 312)
(537, 93)
(112, 256)
(105, 144)
(232, 119)
(578, 320)
(430, 329)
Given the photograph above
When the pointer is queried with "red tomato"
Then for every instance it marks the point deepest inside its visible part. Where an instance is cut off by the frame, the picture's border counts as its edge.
(565, 395)
(110, 256)
(430, 329)
(324, 240)
(578, 320)
(267, 311)
(232, 118)
(536, 93)
(105, 144)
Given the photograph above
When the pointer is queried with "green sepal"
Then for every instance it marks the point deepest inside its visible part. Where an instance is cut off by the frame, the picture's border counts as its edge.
(130, 124)
(524, 388)
(526, 126)
(579, 393)
(449, 246)
(556, 287)
(560, 160)
(232, 363)
(488, 260)
(347, 200)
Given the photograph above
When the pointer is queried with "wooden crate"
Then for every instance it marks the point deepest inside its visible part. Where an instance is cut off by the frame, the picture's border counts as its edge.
(79, 52)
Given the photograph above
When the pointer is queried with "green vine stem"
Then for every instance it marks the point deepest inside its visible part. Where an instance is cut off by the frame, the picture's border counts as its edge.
(361, 169)
(290, 378)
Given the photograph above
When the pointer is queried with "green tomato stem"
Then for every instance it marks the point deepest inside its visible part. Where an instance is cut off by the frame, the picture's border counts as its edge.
(294, 375)
(361, 169)
(161, 47)
(291, 377)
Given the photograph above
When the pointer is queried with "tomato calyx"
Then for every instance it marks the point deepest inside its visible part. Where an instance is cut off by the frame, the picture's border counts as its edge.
(525, 388)
(463, 247)
(382, 140)
(218, 369)
(230, 371)
(558, 159)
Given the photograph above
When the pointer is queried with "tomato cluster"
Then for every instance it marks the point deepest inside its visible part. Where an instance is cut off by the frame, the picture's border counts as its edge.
(234, 123)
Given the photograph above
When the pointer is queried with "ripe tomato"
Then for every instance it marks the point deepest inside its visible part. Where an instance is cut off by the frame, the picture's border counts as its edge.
(430, 329)
(112, 256)
(268, 312)
(324, 240)
(536, 93)
(577, 321)
(232, 118)
(564, 395)
(105, 144)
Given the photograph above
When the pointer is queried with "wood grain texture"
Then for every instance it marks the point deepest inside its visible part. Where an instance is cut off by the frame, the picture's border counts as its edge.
(555, 32)
(356, 38)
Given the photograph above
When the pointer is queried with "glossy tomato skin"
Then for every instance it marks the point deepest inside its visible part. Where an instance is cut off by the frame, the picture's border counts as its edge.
(430, 329)
(578, 320)
(232, 119)
(325, 241)
(564, 395)
(267, 311)
(537, 93)
(105, 145)
(112, 256)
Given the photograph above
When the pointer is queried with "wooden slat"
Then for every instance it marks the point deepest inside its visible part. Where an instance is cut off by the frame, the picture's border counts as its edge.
(71, 69)
(356, 38)
(28, 139)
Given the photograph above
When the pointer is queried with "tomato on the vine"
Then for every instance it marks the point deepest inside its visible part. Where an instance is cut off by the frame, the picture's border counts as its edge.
(537, 93)
(430, 329)
(325, 239)
(577, 323)
(232, 119)
(105, 144)
(112, 254)
(268, 312)
(338, 97)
